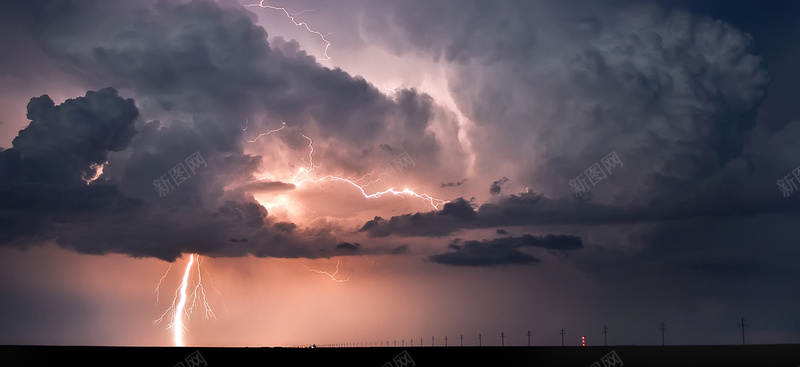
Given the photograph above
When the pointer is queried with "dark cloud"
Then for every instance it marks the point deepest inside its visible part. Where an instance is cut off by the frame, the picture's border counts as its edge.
(672, 93)
(497, 186)
(455, 244)
(522, 209)
(534, 209)
(43, 173)
(402, 249)
(503, 251)
(62, 143)
(284, 227)
(453, 184)
(266, 186)
(475, 254)
(196, 70)
(349, 247)
(435, 223)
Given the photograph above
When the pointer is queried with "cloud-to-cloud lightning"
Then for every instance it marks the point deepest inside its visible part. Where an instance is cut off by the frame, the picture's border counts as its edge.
(306, 173)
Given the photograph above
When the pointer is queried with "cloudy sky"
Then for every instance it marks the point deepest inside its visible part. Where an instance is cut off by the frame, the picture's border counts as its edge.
(370, 171)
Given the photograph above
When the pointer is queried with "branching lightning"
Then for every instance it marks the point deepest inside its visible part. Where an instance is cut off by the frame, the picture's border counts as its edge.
(332, 275)
(199, 294)
(157, 291)
(300, 24)
(432, 201)
(184, 303)
(305, 172)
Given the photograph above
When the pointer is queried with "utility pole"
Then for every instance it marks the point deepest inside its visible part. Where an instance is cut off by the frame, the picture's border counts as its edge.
(395, 342)
(432, 343)
(605, 336)
(445, 340)
(412, 342)
(663, 329)
(562, 337)
(502, 339)
(421, 342)
(462, 340)
(479, 339)
(403, 342)
(743, 325)
(529, 338)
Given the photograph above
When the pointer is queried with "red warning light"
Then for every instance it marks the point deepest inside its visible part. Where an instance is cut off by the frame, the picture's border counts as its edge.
(583, 341)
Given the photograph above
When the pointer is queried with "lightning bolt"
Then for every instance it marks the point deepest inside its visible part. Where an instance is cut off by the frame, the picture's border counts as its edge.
(390, 89)
(157, 291)
(432, 201)
(299, 24)
(332, 275)
(305, 172)
(177, 320)
(184, 303)
(247, 122)
(199, 295)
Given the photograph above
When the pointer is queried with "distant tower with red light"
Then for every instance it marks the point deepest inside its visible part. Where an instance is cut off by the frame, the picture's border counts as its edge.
(583, 341)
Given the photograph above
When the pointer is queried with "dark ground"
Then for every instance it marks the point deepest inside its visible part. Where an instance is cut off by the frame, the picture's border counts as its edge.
(787, 355)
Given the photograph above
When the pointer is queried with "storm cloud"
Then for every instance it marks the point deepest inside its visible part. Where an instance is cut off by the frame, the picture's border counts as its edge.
(195, 70)
(503, 251)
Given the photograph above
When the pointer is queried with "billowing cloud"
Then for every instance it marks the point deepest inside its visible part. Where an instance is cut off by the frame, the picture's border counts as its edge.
(181, 161)
(672, 93)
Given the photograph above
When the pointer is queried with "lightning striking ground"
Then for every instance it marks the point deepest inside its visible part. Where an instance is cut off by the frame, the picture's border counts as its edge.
(177, 320)
(300, 24)
(184, 303)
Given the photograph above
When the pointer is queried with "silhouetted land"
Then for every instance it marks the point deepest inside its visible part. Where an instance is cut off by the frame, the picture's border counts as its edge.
(787, 355)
